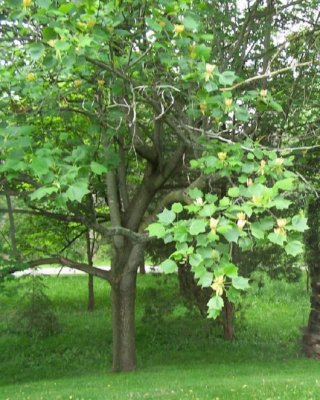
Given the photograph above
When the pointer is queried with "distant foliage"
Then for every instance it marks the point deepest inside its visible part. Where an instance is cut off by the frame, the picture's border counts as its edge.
(36, 317)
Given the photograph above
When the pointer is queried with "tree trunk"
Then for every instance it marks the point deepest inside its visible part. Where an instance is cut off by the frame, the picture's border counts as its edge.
(228, 319)
(90, 251)
(124, 269)
(90, 293)
(311, 337)
(123, 323)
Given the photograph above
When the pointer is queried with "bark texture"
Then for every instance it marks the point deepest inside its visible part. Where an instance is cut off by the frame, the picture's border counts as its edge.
(311, 337)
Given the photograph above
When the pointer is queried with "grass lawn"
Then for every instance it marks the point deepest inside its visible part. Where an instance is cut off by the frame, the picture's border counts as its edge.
(180, 355)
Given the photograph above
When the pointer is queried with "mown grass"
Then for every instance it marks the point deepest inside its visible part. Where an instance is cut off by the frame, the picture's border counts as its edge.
(180, 355)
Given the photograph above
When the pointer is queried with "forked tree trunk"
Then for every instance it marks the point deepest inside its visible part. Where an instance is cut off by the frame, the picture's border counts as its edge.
(311, 338)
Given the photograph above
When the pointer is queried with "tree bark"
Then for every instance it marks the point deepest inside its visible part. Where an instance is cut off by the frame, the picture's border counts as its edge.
(123, 314)
(311, 337)
(124, 269)
(90, 251)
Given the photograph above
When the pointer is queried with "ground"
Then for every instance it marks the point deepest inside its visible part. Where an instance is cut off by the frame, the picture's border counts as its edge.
(180, 355)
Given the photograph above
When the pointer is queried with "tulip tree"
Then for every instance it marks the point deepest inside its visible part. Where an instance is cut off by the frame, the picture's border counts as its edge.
(254, 211)
(102, 106)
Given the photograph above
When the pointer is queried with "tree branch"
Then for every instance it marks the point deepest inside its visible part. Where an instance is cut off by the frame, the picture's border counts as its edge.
(269, 74)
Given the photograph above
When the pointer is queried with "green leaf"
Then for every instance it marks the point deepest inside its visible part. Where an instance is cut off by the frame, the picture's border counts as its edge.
(177, 208)
(276, 106)
(190, 23)
(203, 52)
(229, 232)
(228, 269)
(285, 184)
(299, 223)
(166, 217)
(277, 238)
(40, 166)
(242, 114)
(42, 192)
(227, 78)
(234, 192)
(98, 168)
(215, 303)
(281, 203)
(180, 233)
(44, 3)
(256, 230)
(36, 50)
(233, 295)
(206, 279)
(157, 230)
(152, 24)
(197, 226)
(195, 259)
(76, 191)
(240, 283)
(169, 266)
(208, 210)
(195, 193)
(294, 248)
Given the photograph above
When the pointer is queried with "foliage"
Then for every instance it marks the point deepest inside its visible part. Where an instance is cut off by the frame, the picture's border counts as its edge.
(248, 212)
(35, 316)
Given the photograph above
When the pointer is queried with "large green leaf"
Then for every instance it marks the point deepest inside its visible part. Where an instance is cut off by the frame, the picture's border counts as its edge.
(98, 168)
(169, 266)
(294, 247)
(299, 223)
(197, 226)
(240, 283)
(78, 190)
(157, 230)
(166, 217)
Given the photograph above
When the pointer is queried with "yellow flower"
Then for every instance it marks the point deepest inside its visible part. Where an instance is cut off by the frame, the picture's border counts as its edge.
(262, 166)
(31, 76)
(241, 216)
(228, 103)
(26, 3)
(52, 43)
(257, 200)
(203, 108)
(209, 71)
(162, 24)
(263, 92)
(198, 202)
(281, 222)
(77, 82)
(218, 285)
(214, 224)
(279, 161)
(222, 156)
(178, 29)
(91, 23)
(241, 220)
(215, 254)
(100, 82)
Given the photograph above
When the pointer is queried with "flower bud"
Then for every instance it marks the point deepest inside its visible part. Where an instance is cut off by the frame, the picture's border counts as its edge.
(222, 156)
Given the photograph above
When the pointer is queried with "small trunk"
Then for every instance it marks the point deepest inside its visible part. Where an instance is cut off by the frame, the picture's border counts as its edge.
(123, 322)
(228, 319)
(90, 293)
(311, 337)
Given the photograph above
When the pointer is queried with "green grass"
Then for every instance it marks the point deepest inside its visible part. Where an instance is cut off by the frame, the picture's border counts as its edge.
(180, 355)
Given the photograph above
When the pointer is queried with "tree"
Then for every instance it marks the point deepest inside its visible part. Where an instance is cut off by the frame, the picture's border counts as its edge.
(103, 104)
